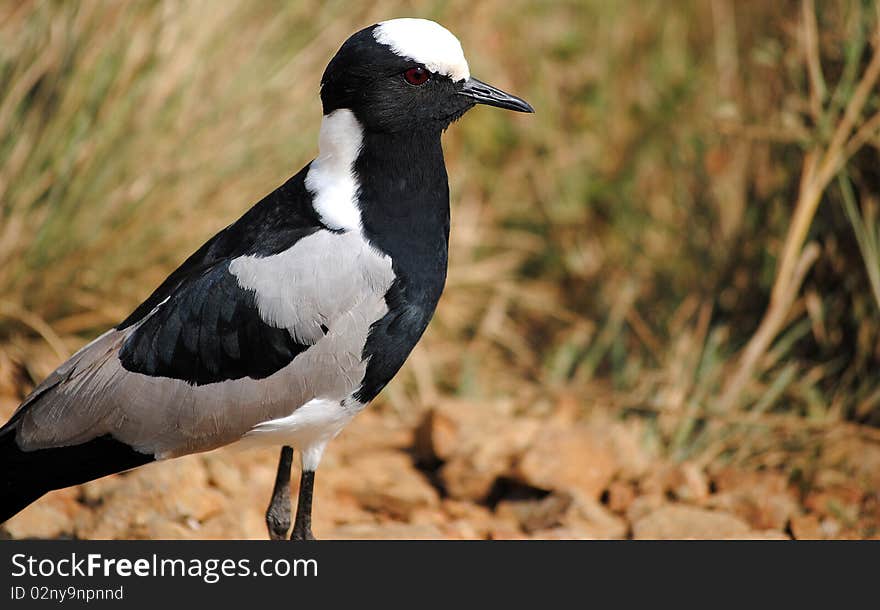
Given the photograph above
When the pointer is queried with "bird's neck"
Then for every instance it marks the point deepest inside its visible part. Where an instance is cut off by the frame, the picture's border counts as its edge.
(378, 182)
(391, 187)
(404, 202)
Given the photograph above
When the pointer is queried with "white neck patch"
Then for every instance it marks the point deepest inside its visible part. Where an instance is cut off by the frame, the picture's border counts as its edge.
(331, 178)
(426, 42)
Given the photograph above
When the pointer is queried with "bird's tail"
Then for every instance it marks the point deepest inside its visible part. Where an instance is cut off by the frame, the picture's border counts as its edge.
(27, 475)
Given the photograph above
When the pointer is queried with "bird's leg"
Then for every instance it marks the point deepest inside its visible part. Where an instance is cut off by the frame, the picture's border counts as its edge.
(302, 526)
(278, 513)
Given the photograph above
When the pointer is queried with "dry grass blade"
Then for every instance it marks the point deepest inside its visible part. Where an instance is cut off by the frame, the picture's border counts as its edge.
(820, 166)
(865, 229)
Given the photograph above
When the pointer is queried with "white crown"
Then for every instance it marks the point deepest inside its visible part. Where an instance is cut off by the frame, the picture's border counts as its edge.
(426, 42)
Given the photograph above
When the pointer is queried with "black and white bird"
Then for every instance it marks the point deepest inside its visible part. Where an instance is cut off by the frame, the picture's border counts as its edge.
(284, 325)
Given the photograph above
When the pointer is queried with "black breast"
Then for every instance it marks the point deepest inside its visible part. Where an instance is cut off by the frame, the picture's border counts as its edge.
(404, 201)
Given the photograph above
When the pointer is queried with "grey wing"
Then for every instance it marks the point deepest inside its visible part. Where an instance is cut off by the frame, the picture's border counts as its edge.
(137, 384)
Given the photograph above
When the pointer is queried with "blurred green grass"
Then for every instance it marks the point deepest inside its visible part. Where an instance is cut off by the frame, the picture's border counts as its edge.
(620, 245)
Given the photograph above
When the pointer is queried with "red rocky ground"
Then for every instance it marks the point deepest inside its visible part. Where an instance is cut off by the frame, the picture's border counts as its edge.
(470, 471)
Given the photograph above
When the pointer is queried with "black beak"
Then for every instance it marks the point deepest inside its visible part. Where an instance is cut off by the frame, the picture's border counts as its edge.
(482, 93)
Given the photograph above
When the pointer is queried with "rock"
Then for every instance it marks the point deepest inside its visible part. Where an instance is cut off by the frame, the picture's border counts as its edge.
(635, 451)
(563, 515)
(466, 479)
(687, 522)
(468, 520)
(252, 524)
(385, 531)
(594, 521)
(569, 408)
(49, 517)
(806, 527)
(386, 481)
(620, 496)
(199, 503)
(334, 509)
(457, 509)
(163, 529)
(224, 473)
(470, 473)
(182, 489)
(767, 535)
(126, 506)
(578, 531)
(428, 516)
(865, 461)
(575, 458)
(238, 521)
(437, 436)
(692, 485)
(830, 527)
(658, 480)
(842, 501)
(505, 530)
(763, 499)
(532, 515)
(643, 505)
(477, 444)
(462, 529)
(371, 431)
(684, 481)
(565, 532)
(456, 427)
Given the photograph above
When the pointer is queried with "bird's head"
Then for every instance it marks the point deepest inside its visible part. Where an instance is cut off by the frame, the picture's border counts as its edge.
(406, 75)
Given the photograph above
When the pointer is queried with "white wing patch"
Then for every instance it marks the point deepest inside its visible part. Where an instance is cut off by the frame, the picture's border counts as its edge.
(426, 42)
(319, 278)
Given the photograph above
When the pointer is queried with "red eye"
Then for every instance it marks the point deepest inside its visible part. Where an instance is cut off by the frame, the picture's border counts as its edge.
(416, 76)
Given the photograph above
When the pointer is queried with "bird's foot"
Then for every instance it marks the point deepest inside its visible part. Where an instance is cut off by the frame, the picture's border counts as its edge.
(278, 512)
(278, 521)
(302, 526)
(302, 533)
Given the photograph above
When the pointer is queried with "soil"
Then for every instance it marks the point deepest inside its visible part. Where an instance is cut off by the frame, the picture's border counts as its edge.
(469, 471)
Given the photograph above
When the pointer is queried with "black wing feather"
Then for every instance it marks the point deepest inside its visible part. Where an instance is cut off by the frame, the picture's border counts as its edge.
(199, 325)
(186, 338)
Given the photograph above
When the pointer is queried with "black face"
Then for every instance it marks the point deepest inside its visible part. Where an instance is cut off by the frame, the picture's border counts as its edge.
(390, 93)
